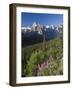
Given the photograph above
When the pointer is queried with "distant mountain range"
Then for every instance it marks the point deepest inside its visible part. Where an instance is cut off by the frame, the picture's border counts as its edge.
(38, 33)
(38, 27)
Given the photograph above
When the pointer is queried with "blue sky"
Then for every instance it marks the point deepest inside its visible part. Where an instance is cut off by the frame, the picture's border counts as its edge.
(27, 19)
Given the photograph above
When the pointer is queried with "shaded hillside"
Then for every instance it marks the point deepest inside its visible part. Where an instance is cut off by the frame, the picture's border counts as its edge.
(34, 37)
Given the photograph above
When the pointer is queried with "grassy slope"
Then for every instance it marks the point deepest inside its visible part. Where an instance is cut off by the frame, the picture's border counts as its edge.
(32, 55)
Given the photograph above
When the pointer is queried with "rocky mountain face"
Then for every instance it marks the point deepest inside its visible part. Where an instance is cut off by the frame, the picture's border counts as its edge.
(38, 27)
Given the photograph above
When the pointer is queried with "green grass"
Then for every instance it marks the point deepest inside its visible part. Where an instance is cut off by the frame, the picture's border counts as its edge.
(38, 53)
